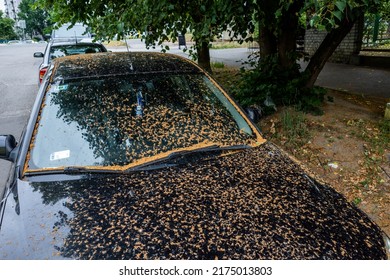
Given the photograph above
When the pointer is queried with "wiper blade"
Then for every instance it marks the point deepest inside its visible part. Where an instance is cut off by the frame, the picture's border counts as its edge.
(165, 161)
(70, 170)
(81, 169)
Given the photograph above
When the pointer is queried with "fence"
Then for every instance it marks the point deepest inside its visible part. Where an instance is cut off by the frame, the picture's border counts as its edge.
(376, 32)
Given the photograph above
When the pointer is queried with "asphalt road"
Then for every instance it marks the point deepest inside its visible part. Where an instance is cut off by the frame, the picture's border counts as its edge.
(18, 89)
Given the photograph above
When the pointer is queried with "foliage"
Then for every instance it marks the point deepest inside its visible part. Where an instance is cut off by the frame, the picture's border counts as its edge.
(376, 136)
(295, 132)
(157, 21)
(382, 19)
(6, 28)
(267, 81)
(329, 14)
(278, 24)
(277, 75)
(36, 18)
(217, 64)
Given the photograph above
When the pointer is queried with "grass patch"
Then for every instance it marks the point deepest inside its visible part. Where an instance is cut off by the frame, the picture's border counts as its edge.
(217, 64)
(228, 45)
(376, 135)
(294, 131)
(114, 43)
(227, 77)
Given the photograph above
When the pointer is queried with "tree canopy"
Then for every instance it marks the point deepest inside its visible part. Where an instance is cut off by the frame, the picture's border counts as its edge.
(279, 23)
(6, 28)
(36, 18)
(158, 21)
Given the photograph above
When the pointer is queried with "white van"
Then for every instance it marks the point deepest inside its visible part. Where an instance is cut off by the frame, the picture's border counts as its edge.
(67, 32)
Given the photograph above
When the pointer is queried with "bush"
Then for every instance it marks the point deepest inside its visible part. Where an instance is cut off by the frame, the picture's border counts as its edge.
(266, 81)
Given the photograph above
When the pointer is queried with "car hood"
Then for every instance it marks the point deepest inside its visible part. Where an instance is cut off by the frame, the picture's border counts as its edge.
(254, 204)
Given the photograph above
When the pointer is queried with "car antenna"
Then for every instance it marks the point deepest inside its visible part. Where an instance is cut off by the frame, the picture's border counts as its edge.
(127, 46)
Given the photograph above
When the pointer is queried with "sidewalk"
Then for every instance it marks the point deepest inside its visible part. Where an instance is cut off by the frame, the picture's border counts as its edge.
(360, 80)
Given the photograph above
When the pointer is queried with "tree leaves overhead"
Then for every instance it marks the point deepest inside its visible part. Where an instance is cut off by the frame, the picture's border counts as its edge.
(279, 22)
(330, 14)
(36, 18)
(156, 20)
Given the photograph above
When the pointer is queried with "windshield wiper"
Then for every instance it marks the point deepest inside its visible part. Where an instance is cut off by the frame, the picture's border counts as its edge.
(71, 170)
(81, 169)
(174, 158)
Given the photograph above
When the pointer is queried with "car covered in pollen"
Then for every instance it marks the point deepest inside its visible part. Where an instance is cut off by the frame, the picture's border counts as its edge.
(144, 156)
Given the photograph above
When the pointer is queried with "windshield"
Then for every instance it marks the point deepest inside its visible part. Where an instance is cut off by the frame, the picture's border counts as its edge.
(75, 31)
(65, 50)
(120, 121)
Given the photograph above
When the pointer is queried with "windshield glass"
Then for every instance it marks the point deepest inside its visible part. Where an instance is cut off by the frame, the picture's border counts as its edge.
(65, 50)
(76, 31)
(119, 121)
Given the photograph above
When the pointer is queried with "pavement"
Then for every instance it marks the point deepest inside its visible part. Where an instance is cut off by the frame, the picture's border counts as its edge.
(361, 80)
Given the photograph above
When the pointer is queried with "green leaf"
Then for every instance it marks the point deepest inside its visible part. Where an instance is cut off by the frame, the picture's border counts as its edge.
(341, 5)
(314, 20)
(120, 27)
(278, 13)
(338, 15)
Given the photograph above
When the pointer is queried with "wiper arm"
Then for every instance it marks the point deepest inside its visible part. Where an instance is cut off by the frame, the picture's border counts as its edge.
(81, 169)
(70, 170)
(164, 161)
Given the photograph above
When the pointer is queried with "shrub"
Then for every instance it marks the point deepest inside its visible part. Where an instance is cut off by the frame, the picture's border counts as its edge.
(265, 80)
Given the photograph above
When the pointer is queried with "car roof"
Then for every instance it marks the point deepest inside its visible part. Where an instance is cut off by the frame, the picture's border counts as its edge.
(121, 63)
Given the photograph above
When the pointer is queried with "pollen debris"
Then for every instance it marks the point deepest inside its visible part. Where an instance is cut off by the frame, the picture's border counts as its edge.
(249, 205)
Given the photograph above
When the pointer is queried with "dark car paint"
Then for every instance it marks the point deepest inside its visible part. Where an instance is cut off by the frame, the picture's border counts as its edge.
(254, 204)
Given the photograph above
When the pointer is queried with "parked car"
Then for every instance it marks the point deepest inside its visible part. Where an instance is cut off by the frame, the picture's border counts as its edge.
(144, 156)
(13, 42)
(64, 48)
(68, 31)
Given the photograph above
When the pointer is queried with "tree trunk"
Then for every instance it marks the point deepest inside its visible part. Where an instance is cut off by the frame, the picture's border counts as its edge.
(203, 52)
(267, 37)
(288, 36)
(325, 50)
(267, 42)
(359, 37)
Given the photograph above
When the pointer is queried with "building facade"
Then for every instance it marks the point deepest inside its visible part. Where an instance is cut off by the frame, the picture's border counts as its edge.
(12, 8)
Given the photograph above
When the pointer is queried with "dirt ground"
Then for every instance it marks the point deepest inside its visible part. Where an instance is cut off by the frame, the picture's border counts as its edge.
(346, 149)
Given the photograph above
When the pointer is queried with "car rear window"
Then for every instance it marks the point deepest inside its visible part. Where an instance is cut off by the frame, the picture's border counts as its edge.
(65, 50)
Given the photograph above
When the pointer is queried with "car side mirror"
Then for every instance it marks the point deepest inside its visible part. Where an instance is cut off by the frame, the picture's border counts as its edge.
(7, 144)
(38, 54)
